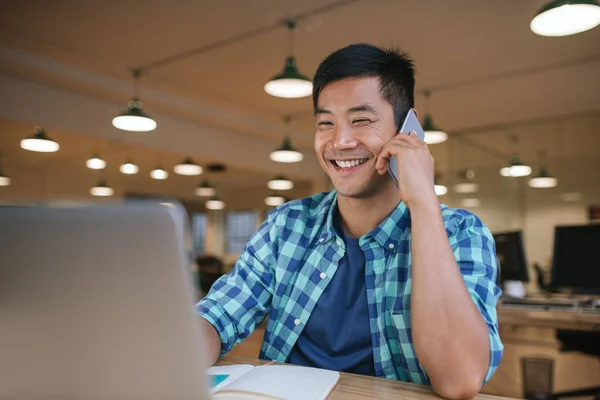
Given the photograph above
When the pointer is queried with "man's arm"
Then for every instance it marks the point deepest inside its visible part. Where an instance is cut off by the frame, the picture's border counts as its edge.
(451, 337)
(240, 300)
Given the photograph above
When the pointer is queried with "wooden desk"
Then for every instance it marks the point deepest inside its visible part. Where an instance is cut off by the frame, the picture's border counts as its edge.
(359, 387)
(555, 319)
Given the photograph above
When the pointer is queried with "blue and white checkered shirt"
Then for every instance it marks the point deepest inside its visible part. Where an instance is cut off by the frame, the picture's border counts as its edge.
(287, 264)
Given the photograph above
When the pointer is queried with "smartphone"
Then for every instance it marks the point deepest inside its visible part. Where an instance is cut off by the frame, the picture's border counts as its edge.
(410, 123)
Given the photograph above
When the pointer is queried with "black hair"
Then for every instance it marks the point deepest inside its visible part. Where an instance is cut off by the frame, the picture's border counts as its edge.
(394, 68)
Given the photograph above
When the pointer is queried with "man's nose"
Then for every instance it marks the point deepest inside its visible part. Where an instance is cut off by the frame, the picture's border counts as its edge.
(344, 138)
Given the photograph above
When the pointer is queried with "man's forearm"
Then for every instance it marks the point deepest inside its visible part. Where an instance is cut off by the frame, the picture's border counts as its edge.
(450, 335)
(212, 340)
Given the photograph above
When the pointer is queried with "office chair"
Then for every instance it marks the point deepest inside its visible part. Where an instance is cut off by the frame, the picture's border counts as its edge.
(210, 269)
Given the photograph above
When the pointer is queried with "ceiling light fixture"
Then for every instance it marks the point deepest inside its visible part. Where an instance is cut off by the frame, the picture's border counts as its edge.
(466, 185)
(4, 180)
(95, 162)
(39, 142)
(159, 173)
(215, 204)
(433, 134)
(188, 168)
(274, 200)
(286, 153)
(543, 180)
(205, 190)
(566, 17)
(129, 168)
(101, 189)
(515, 168)
(289, 83)
(134, 119)
(280, 183)
(470, 202)
(440, 189)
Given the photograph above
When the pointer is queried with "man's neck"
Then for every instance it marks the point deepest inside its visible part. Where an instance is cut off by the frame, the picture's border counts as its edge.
(362, 215)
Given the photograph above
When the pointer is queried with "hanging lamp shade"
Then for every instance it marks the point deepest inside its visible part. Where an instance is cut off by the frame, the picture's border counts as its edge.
(95, 162)
(470, 202)
(188, 168)
(274, 200)
(433, 134)
(280, 183)
(543, 180)
(515, 168)
(440, 189)
(4, 180)
(205, 190)
(134, 119)
(566, 17)
(39, 142)
(215, 204)
(128, 168)
(159, 173)
(286, 153)
(101, 189)
(289, 83)
(466, 185)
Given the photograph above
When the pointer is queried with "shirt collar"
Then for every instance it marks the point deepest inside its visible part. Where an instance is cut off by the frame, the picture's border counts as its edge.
(388, 234)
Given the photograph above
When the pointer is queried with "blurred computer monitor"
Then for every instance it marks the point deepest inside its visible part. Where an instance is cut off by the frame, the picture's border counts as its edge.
(511, 255)
(576, 261)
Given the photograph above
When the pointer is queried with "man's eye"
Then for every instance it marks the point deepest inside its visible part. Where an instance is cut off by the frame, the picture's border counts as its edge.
(324, 123)
(361, 121)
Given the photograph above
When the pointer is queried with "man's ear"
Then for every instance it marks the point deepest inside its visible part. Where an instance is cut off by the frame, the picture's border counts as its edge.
(416, 112)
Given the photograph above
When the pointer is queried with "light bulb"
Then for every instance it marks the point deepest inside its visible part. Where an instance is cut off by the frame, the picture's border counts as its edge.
(95, 163)
(274, 201)
(440, 190)
(215, 204)
(280, 183)
(542, 182)
(129, 168)
(159, 173)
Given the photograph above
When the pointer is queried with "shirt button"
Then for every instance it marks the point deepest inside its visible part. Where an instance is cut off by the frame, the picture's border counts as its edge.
(339, 242)
(296, 322)
(391, 245)
(323, 275)
(321, 240)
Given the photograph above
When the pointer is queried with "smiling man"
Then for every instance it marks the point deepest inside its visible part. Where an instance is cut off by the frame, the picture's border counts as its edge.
(371, 278)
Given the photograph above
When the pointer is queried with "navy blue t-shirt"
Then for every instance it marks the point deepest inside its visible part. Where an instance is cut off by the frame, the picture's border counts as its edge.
(337, 334)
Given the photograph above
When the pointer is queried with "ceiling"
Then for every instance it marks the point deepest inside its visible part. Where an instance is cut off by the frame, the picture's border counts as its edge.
(490, 76)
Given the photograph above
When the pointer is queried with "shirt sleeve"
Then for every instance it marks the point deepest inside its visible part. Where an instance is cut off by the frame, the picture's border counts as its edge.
(475, 252)
(239, 300)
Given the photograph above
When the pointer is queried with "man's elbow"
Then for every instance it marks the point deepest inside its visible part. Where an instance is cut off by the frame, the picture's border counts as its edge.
(459, 389)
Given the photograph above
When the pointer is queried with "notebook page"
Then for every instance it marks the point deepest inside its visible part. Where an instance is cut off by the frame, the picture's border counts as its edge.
(221, 376)
(284, 382)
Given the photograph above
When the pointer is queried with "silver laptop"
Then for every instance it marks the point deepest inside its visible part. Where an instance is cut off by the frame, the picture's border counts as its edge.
(96, 302)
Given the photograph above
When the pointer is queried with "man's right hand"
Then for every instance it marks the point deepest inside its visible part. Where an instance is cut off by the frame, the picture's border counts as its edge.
(212, 339)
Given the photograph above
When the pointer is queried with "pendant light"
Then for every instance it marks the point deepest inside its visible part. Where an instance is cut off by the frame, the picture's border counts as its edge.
(466, 185)
(39, 142)
(129, 168)
(515, 168)
(95, 162)
(470, 202)
(188, 168)
(543, 180)
(134, 119)
(439, 188)
(4, 180)
(159, 173)
(566, 17)
(274, 200)
(215, 204)
(205, 190)
(289, 83)
(101, 189)
(280, 183)
(433, 134)
(286, 153)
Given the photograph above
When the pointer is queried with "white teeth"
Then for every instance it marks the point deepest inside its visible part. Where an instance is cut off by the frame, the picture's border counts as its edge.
(350, 163)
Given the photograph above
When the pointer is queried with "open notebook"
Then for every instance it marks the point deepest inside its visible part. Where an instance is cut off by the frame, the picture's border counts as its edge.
(272, 382)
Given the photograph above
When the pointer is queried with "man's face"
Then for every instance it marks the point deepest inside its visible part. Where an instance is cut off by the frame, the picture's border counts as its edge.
(353, 122)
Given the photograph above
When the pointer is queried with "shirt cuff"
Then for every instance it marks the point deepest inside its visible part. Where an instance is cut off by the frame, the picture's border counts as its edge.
(217, 317)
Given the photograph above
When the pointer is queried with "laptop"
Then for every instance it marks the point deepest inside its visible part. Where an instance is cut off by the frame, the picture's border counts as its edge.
(96, 302)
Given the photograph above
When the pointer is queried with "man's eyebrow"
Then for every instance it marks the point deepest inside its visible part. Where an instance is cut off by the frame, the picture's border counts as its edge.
(322, 111)
(362, 107)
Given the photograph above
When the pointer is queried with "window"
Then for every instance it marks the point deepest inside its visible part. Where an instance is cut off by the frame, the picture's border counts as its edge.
(199, 222)
(241, 225)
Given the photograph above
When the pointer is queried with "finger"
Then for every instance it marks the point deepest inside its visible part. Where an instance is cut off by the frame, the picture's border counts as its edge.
(410, 139)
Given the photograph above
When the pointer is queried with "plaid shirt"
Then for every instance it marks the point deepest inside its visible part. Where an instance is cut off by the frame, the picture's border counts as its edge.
(287, 264)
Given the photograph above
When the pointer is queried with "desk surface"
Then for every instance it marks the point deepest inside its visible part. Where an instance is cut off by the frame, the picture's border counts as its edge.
(359, 387)
(557, 319)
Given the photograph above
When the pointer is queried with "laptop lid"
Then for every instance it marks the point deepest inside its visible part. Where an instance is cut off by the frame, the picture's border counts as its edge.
(96, 302)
